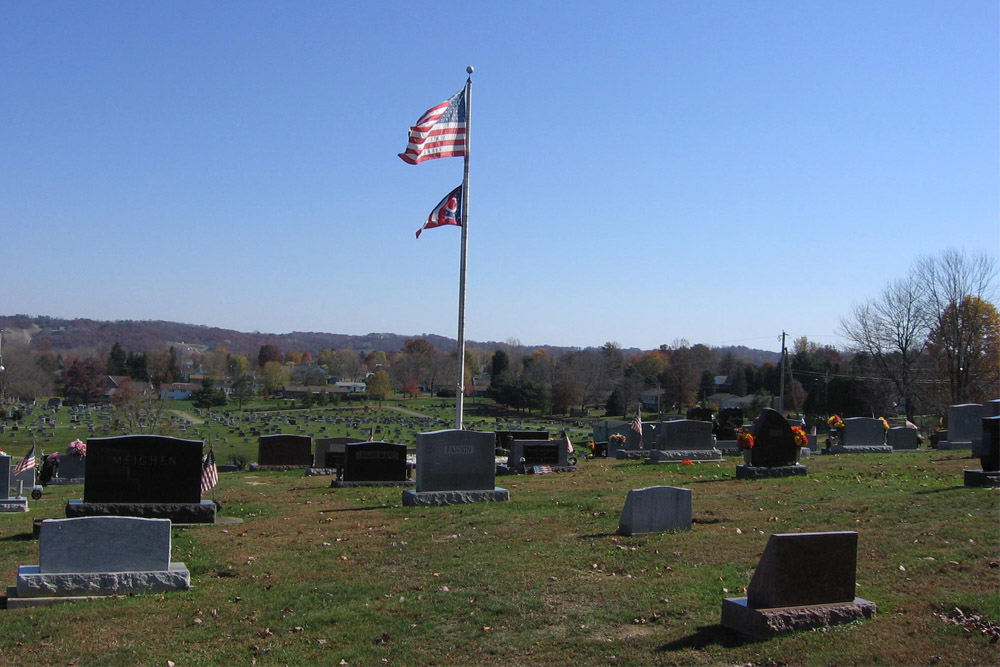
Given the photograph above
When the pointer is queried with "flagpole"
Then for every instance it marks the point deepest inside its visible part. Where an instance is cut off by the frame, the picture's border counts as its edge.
(460, 387)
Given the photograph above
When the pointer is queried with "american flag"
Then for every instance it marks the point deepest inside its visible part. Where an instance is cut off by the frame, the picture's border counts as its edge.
(27, 462)
(440, 132)
(209, 473)
(447, 212)
(637, 422)
(542, 470)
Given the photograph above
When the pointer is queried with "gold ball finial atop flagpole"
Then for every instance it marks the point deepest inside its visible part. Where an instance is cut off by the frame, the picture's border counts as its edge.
(470, 69)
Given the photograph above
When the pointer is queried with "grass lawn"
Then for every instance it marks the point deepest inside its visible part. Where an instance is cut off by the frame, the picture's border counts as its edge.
(349, 576)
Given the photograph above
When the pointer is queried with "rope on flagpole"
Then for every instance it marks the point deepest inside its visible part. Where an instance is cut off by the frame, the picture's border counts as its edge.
(460, 387)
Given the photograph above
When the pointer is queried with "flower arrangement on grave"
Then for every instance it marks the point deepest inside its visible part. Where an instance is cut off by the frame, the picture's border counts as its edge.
(77, 448)
(835, 422)
(744, 438)
(687, 462)
(617, 438)
(800, 436)
(885, 423)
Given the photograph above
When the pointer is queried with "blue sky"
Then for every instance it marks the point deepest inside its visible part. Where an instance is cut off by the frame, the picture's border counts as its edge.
(645, 172)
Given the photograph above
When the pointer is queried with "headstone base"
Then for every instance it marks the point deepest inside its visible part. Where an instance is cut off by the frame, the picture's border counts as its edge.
(947, 444)
(980, 478)
(14, 505)
(671, 455)
(341, 484)
(203, 512)
(320, 472)
(254, 466)
(861, 449)
(35, 589)
(440, 498)
(59, 481)
(752, 472)
(623, 454)
(761, 624)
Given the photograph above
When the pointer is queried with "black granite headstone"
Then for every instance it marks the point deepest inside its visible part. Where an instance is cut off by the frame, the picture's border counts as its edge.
(506, 438)
(143, 469)
(330, 451)
(374, 462)
(989, 452)
(774, 442)
(284, 450)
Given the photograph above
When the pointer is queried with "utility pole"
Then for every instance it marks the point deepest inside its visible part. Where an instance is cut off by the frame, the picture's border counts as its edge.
(781, 391)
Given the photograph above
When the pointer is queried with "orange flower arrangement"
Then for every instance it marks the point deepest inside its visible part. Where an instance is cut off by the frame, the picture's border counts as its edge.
(800, 436)
(744, 438)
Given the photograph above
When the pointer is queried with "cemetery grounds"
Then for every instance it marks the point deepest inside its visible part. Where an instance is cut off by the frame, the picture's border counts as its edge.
(349, 576)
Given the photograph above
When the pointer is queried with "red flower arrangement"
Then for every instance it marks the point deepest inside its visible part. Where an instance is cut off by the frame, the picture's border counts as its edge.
(744, 438)
(800, 436)
(835, 422)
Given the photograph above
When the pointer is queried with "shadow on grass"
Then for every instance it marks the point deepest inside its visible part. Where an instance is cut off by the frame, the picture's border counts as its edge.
(707, 635)
(710, 481)
(358, 509)
(594, 536)
(18, 537)
(947, 488)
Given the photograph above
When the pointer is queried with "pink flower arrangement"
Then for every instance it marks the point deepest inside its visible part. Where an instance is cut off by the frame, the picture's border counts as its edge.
(77, 448)
(885, 423)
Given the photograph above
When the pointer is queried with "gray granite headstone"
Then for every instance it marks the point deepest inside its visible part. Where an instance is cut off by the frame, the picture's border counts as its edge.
(104, 544)
(991, 408)
(456, 460)
(863, 432)
(965, 423)
(902, 437)
(655, 509)
(688, 434)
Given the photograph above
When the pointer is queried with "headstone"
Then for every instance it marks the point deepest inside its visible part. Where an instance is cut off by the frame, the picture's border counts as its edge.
(902, 437)
(655, 509)
(505, 439)
(964, 427)
(9, 503)
(330, 452)
(803, 581)
(681, 439)
(455, 466)
(774, 442)
(284, 451)
(989, 456)
(69, 468)
(98, 556)
(862, 435)
(151, 476)
(524, 454)
(373, 464)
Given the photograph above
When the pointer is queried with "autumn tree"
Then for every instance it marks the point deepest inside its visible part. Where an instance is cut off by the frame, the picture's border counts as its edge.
(959, 288)
(85, 379)
(274, 376)
(379, 386)
(969, 360)
(268, 353)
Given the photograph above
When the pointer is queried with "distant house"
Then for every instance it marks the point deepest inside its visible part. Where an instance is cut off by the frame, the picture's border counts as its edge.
(352, 387)
(298, 392)
(651, 399)
(178, 391)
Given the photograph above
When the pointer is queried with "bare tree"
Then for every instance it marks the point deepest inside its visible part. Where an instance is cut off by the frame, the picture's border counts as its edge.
(950, 279)
(892, 330)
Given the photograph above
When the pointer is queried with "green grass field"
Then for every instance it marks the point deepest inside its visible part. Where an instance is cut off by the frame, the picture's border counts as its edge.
(349, 576)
